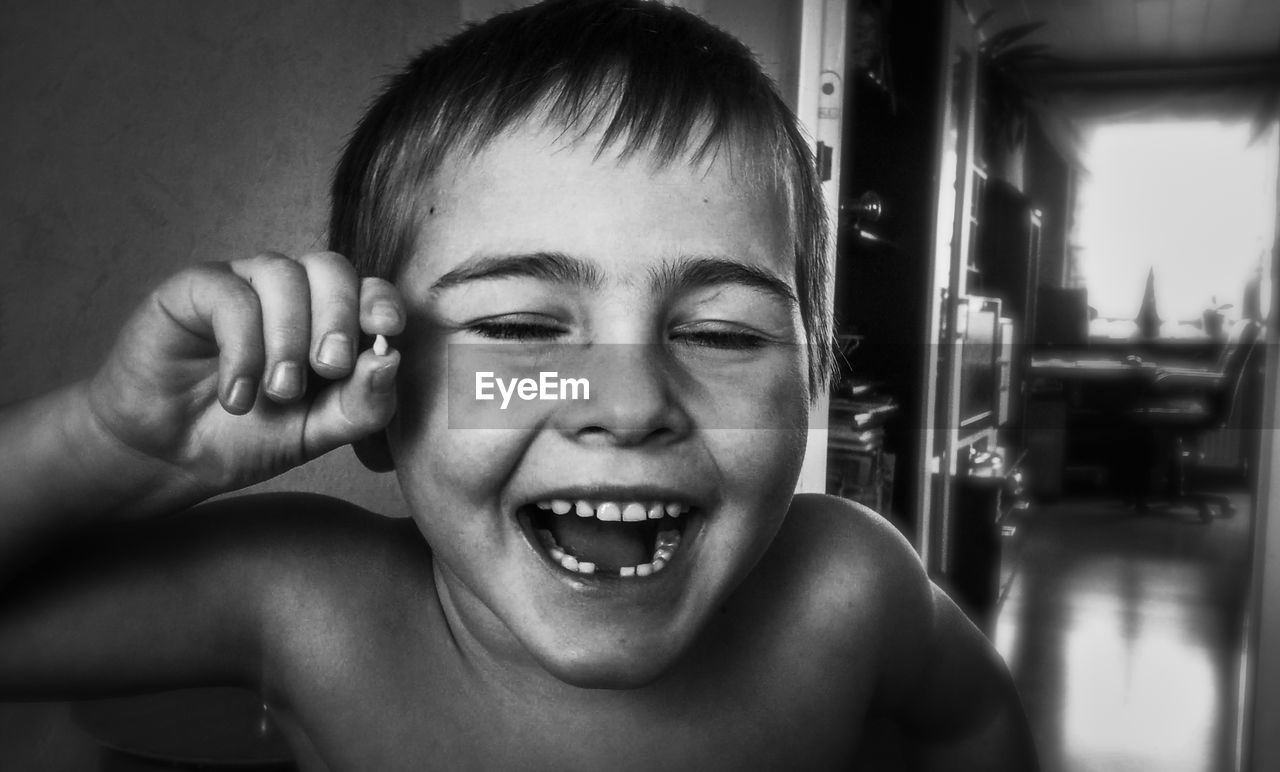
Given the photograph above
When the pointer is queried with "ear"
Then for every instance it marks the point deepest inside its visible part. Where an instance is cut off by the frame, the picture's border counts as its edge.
(374, 452)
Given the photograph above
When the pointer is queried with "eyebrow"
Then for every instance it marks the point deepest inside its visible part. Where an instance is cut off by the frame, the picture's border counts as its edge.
(546, 266)
(680, 275)
(701, 271)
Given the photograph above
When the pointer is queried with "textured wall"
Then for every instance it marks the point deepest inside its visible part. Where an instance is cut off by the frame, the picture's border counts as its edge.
(139, 137)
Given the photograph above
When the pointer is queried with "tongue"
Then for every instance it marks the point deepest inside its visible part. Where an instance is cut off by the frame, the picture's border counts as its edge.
(608, 545)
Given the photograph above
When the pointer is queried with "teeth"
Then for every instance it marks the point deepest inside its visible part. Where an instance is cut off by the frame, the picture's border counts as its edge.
(665, 545)
(615, 511)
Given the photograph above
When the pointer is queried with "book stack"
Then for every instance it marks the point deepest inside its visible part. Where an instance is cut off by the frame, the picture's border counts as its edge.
(857, 466)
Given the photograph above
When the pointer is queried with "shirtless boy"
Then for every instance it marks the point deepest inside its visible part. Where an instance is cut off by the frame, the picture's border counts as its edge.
(619, 581)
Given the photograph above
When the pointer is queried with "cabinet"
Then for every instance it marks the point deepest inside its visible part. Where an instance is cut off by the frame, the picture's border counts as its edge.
(908, 140)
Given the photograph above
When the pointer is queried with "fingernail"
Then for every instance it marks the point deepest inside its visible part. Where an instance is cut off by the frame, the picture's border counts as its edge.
(243, 391)
(335, 351)
(385, 313)
(286, 380)
(384, 378)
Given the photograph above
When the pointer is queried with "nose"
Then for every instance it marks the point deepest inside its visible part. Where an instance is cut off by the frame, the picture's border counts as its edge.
(634, 398)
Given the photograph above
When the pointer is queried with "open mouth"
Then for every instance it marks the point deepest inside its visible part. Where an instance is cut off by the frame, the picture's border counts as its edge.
(626, 539)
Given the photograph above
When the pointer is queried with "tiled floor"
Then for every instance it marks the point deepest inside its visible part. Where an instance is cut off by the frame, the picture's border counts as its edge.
(1124, 632)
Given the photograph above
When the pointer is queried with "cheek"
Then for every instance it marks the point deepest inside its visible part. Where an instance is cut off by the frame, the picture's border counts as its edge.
(441, 451)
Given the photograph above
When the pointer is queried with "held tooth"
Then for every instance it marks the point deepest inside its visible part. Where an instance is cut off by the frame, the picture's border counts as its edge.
(634, 513)
(585, 567)
(584, 509)
(560, 506)
(569, 562)
(656, 511)
(609, 512)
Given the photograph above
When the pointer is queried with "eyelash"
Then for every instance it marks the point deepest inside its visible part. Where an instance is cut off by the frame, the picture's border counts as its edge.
(513, 331)
(497, 329)
(729, 340)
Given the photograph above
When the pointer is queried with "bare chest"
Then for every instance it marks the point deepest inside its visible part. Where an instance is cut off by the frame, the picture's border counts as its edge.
(429, 716)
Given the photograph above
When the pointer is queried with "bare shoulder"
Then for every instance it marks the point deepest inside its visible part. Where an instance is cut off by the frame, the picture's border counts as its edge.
(301, 545)
(852, 552)
(330, 579)
(853, 577)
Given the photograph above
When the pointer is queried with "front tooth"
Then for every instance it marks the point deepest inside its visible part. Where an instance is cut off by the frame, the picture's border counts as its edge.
(627, 571)
(634, 512)
(585, 567)
(644, 569)
(656, 511)
(609, 512)
(569, 562)
(584, 509)
(560, 506)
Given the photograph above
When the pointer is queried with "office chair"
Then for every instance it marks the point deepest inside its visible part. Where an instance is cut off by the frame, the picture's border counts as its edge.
(1177, 408)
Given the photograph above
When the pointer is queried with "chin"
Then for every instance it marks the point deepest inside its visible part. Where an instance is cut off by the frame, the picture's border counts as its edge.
(611, 670)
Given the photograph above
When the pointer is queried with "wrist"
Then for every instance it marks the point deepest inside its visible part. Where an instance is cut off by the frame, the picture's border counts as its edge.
(115, 479)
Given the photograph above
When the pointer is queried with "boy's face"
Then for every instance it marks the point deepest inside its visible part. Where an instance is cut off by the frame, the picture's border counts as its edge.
(672, 293)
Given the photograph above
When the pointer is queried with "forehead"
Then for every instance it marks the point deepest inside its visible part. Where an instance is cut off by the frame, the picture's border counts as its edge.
(536, 191)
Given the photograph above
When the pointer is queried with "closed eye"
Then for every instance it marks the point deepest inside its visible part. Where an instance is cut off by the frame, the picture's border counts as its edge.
(516, 328)
(727, 338)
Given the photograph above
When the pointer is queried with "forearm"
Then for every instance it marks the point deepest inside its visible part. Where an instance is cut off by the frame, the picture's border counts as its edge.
(63, 469)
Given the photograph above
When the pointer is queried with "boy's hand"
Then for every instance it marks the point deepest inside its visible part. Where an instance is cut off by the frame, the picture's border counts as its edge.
(232, 373)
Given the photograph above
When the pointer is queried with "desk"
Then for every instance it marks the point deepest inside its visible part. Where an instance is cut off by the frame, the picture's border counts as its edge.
(1073, 400)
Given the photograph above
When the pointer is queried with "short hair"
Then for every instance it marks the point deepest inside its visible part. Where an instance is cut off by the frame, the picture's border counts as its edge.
(647, 76)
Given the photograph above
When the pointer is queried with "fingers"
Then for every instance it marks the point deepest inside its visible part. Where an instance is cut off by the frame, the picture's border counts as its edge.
(281, 285)
(353, 408)
(274, 320)
(381, 310)
(334, 313)
(208, 301)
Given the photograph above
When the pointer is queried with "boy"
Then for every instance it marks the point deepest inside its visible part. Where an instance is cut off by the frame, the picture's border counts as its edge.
(619, 575)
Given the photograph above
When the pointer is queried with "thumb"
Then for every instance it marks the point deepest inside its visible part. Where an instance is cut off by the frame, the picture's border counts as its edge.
(355, 407)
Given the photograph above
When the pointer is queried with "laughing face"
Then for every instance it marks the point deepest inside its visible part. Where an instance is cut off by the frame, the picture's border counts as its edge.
(592, 535)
